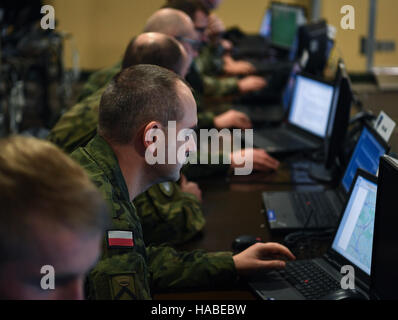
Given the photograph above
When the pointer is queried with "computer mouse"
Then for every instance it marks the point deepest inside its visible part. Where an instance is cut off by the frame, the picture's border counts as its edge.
(342, 294)
(243, 242)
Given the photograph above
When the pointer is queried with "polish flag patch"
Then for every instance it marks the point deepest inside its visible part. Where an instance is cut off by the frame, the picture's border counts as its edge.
(120, 239)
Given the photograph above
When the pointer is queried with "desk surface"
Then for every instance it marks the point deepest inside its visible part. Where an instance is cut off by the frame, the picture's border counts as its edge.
(234, 208)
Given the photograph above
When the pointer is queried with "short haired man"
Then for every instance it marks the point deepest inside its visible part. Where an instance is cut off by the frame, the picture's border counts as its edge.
(203, 71)
(140, 99)
(51, 216)
(169, 212)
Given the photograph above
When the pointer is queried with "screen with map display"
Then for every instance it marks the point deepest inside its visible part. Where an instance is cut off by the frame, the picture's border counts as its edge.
(354, 237)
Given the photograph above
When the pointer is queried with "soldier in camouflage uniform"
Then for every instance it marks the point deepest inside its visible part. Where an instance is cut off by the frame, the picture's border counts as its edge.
(167, 208)
(210, 60)
(128, 269)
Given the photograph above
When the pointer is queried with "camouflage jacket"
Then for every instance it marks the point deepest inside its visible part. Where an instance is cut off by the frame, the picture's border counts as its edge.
(169, 215)
(99, 79)
(210, 65)
(173, 218)
(132, 270)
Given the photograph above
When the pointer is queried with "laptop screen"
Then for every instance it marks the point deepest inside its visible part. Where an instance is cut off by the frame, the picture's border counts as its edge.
(354, 237)
(385, 248)
(265, 29)
(311, 104)
(366, 156)
(284, 23)
(289, 89)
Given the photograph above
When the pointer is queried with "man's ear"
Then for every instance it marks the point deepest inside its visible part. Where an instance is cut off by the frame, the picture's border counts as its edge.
(151, 133)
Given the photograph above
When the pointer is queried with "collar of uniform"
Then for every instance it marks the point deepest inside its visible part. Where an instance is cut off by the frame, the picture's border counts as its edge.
(103, 155)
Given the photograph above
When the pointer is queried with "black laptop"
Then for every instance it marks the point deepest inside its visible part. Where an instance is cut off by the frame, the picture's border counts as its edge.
(384, 275)
(352, 245)
(319, 210)
(307, 121)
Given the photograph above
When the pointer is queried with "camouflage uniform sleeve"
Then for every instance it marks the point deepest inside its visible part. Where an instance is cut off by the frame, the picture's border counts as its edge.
(169, 215)
(121, 273)
(78, 125)
(210, 60)
(205, 119)
(220, 86)
(98, 79)
(183, 270)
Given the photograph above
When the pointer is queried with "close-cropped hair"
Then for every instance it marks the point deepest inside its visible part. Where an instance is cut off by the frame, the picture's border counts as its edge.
(165, 53)
(136, 96)
(39, 182)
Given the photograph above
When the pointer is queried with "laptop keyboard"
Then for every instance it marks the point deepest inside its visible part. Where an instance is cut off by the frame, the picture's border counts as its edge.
(284, 138)
(315, 204)
(309, 279)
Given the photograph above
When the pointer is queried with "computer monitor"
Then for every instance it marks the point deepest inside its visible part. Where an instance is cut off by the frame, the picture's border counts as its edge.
(284, 24)
(287, 93)
(313, 38)
(354, 236)
(366, 155)
(265, 29)
(339, 117)
(384, 276)
(311, 104)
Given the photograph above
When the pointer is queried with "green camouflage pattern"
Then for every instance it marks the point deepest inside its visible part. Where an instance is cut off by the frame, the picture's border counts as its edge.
(132, 273)
(209, 63)
(78, 125)
(210, 60)
(169, 215)
(99, 79)
(173, 219)
(218, 87)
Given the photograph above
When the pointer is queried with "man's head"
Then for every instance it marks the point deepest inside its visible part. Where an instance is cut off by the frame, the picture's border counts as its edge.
(197, 11)
(157, 49)
(50, 215)
(177, 24)
(139, 100)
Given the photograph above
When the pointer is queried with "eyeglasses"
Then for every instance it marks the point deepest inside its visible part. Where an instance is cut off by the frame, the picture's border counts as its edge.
(195, 44)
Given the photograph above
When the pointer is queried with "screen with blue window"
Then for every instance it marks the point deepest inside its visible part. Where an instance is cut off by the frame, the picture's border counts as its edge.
(354, 237)
(265, 29)
(311, 104)
(366, 156)
(289, 89)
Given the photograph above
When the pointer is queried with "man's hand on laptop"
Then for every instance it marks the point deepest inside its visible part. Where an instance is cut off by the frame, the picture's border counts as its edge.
(232, 119)
(262, 161)
(251, 83)
(237, 67)
(260, 256)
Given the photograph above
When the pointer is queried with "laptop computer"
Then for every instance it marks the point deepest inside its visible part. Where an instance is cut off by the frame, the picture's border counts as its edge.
(273, 113)
(384, 276)
(352, 245)
(319, 210)
(307, 121)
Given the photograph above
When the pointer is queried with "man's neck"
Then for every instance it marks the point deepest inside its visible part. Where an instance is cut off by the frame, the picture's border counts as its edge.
(132, 169)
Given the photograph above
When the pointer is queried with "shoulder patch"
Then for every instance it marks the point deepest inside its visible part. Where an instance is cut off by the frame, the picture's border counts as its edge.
(120, 239)
(123, 287)
(167, 188)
